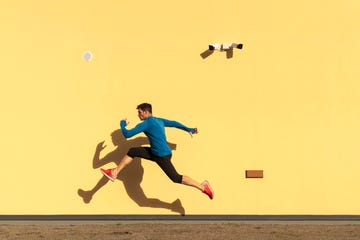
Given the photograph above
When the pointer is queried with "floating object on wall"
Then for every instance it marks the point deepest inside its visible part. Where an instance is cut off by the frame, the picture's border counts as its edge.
(254, 173)
(222, 47)
(225, 46)
(88, 56)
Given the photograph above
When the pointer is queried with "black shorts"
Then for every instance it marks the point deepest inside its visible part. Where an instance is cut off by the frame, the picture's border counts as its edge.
(163, 162)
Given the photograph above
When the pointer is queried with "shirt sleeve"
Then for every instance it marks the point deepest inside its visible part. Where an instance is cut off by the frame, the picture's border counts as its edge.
(141, 127)
(175, 124)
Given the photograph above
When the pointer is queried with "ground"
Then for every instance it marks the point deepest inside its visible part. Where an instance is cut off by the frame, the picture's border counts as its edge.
(178, 231)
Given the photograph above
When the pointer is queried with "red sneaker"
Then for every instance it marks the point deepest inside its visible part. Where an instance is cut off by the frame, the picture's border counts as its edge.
(107, 173)
(207, 189)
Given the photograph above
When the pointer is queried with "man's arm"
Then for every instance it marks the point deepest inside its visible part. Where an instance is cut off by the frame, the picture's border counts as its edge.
(131, 132)
(171, 123)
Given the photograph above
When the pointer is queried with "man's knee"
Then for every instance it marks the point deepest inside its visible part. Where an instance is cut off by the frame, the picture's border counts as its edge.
(176, 178)
(132, 152)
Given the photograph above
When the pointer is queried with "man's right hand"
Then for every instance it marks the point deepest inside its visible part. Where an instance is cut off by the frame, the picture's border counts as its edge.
(124, 123)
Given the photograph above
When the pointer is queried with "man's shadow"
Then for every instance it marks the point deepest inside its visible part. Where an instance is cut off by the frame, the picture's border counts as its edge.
(131, 176)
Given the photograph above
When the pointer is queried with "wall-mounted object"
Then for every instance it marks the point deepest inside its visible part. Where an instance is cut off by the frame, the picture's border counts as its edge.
(254, 174)
(222, 47)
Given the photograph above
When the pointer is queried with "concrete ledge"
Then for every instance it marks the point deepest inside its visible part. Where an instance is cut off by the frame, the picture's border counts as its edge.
(116, 217)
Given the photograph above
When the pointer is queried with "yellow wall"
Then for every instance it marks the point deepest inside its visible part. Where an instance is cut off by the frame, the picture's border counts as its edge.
(288, 103)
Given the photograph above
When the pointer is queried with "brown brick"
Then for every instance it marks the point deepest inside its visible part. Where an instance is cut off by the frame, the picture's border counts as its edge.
(254, 173)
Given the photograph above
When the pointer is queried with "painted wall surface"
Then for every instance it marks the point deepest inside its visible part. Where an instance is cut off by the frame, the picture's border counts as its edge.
(287, 103)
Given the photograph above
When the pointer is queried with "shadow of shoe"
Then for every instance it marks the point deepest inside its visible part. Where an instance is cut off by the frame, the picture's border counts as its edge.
(85, 195)
(177, 207)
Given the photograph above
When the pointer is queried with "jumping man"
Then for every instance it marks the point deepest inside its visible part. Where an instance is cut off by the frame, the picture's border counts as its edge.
(159, 151)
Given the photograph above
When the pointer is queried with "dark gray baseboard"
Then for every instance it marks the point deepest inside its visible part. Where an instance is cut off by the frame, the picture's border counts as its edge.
(118, 217)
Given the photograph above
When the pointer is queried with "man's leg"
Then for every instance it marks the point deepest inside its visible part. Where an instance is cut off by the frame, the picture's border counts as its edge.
(204, 186)
(112, 173)
(142, 152)
(169, 169)
(191, 182)
(123, 163)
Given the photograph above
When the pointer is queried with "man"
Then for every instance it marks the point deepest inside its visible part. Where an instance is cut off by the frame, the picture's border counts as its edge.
(159, 151)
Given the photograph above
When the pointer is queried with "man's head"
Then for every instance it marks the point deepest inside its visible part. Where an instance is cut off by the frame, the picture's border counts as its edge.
(144, 111)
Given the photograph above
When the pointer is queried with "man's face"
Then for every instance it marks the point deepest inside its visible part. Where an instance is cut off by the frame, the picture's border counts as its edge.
(143, 114)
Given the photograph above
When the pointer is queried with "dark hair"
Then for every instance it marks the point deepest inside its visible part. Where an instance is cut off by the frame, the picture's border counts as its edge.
(145, 107)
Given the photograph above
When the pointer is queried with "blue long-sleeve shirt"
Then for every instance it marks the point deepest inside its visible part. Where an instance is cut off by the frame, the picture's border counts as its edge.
(154, 129)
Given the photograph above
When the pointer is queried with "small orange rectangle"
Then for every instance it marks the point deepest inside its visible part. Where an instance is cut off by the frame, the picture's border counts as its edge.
(254, 173)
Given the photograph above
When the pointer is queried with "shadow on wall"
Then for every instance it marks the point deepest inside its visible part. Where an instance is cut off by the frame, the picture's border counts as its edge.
(222, 47)
(131, 176)
(207, 53)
